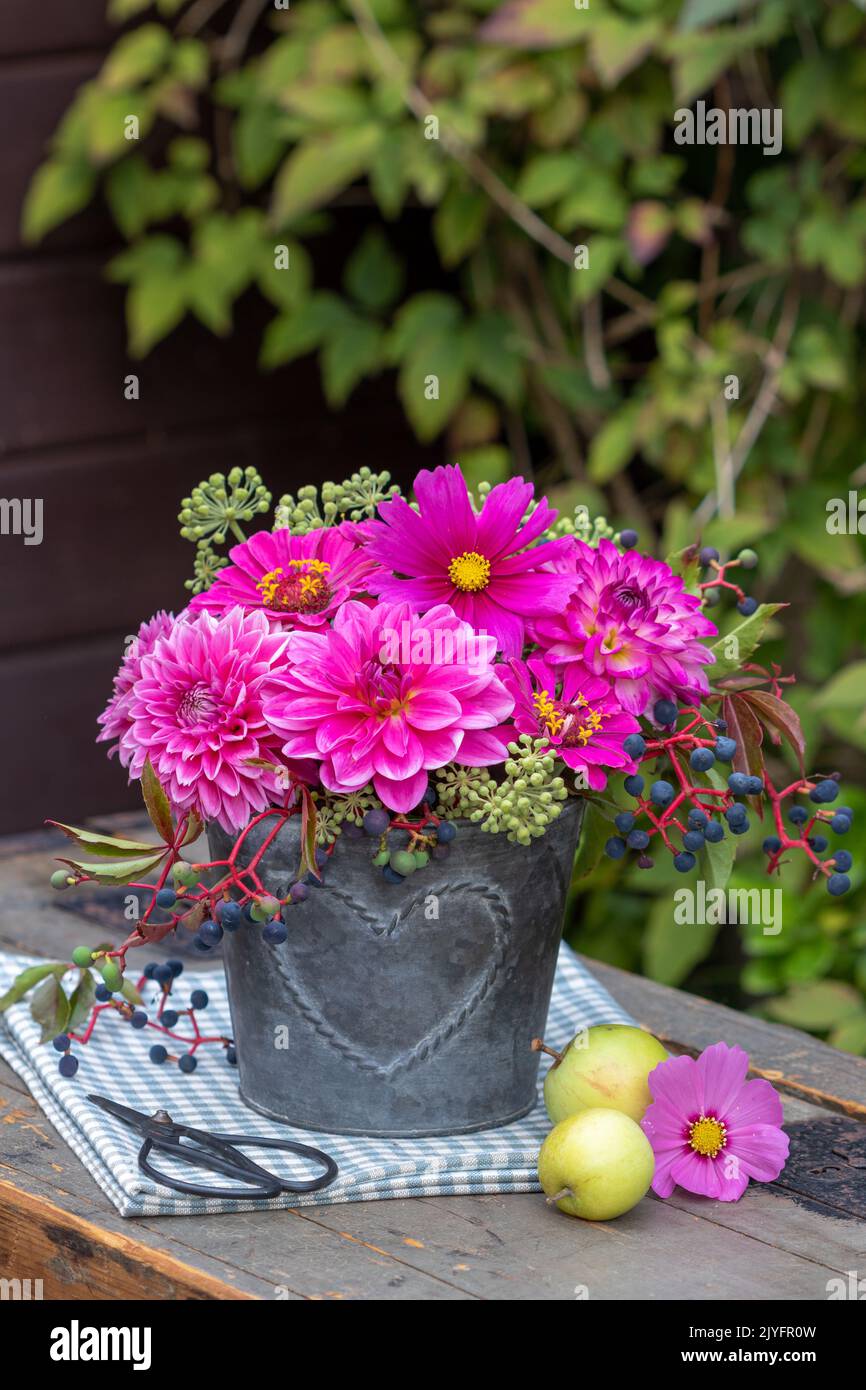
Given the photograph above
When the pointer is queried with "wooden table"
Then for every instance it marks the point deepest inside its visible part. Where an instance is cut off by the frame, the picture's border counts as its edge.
(783, 1240)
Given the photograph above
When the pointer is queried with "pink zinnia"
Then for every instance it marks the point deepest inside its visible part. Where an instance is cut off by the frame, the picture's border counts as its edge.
(477, 562)
(583, 722)
(712, 1130)
(630, 620)
(298, 581)
(386, 696)
(196, 711)
(115, 718)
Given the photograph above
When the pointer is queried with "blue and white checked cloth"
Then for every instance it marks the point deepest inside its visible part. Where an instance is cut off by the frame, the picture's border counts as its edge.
(115, 1064)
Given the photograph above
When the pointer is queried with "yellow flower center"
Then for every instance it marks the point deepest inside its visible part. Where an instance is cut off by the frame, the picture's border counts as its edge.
(548, 712)
(708, 1136)
(303, 590)
(469, 572)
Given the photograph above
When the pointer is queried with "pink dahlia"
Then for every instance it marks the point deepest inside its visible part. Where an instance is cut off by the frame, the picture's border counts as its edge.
(578, 712)
(298, 581)
(477, 562)
(385, 696)
(115, 718)
(630, 620)
(196, 711)
(712, 1130)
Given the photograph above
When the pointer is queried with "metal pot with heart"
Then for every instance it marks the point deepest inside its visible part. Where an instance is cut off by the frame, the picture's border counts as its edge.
(401, 1012)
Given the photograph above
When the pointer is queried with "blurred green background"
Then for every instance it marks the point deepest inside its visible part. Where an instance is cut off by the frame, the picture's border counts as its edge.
(699, 374)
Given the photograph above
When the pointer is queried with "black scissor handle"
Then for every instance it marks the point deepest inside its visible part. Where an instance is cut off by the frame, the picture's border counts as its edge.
(218, 1153)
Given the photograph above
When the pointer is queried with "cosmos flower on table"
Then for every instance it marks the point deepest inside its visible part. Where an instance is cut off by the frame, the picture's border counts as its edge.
(196, 710)
(369, 702)
(482, 563)
(630, 620)
(297, 581)
(577, 712)
(711, 1130)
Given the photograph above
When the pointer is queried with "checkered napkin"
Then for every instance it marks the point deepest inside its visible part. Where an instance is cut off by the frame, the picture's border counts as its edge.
(115, 1064)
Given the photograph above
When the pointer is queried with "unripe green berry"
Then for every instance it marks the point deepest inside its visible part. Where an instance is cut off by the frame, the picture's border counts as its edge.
(61, 879)
(82, 956)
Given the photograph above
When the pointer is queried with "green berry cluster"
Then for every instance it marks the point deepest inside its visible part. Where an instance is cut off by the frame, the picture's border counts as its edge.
(219, 504)
(333, 812)
(206, 567)
(521, 806)
(530, 796)
(354, 499)
(580, 524)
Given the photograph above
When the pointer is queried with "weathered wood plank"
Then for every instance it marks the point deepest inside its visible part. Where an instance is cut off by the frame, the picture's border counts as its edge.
(794, 1062)
(52, 26)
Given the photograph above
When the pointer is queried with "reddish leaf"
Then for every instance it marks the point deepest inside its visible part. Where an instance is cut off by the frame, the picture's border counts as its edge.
(744, 727)
(780, 719)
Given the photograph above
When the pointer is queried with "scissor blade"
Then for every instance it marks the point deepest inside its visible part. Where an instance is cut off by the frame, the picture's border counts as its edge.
(134, 1118)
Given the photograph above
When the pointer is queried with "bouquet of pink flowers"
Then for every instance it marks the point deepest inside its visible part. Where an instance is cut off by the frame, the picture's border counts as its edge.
(389, 668)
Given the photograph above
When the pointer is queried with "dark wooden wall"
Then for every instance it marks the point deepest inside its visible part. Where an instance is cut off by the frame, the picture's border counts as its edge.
(111, 471)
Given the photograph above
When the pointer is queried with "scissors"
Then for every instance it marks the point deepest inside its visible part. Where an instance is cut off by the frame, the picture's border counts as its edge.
(215, 1152)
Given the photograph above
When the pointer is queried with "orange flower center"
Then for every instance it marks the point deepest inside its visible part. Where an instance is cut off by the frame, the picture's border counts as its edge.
(303, 590)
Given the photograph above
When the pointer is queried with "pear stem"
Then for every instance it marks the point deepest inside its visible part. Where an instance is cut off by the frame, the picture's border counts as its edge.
(558, 1196)
(539, 1045)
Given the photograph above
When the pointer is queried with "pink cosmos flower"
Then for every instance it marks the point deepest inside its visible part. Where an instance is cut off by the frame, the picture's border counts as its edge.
(477, 562)
(630, 620)
(196, 711)
(385, 696)
(711, 1130)
(115, 718)
(298, 581)
(584, 723)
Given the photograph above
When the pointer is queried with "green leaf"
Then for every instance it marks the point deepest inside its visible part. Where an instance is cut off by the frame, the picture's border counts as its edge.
(547, 178)
(353, 353)
(107, 846)
(716, 862)
(321, 167)
(49, 1008)
(136, 57)
(286, 287)
(155, 306)
(292, 335)
(672, 949)
(816, 1007)
(128, 989)
(780, 718)
(116, 871)
(27, 979)
(82, 1001)
(374, 274)
(433, 380)
(594, 833)
(423, 316)
(696, 14)
(459, 223)
(258, 142)
(741, 641)
(157, 803)
(496, 357)
(850, 1036)
(615, 444)
(844, 690)
(58, 190)
(539, 24)
(603, 256)
(618, 45)
(308, 837)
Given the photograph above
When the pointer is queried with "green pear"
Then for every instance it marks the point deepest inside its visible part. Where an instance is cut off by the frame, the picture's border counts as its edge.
(604, 1066)
(596, 1165)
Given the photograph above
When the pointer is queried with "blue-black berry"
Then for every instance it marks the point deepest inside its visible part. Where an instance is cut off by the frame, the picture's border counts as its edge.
(158, 1054)
(843, 861)
(232, 1056)
(624, 822)
(168, 1018)
(68, 1065)
(376, 822)
(714, 832)
(693, 840)
(827, 790)
(798, 815)
(684, 862)
(187, 1062)
(702, 759)
(628, 539)
(230, 916)
(697, 818)
(736, 814)
(615, 847)
(61, 1042)
(747, 606)
(210, 932)
(446, 831)
(707, 555)
(163, 973)
(661, 793)
(738, 783)
(664, 712)
(634, 746)
(198, 999)
(139, 1019)
(837, 884)
(275, 933)
(725, 749)
(391, 876)
(166, 898)
(634, 784)
(840, 824)
(772, 844)
(637, 839)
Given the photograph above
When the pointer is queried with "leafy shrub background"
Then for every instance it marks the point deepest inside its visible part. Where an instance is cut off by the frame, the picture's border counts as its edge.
(555, 130)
